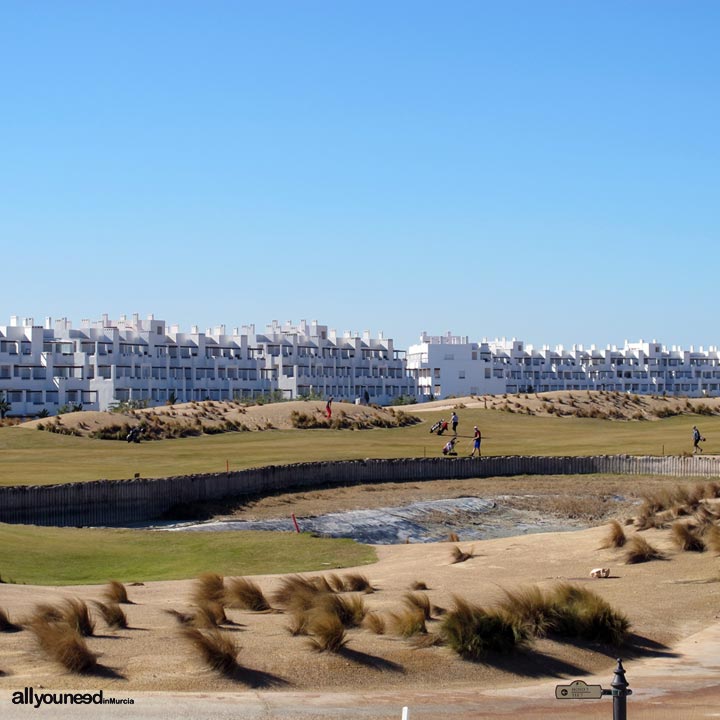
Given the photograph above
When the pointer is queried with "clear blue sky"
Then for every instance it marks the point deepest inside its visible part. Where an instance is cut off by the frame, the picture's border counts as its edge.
(545, 170)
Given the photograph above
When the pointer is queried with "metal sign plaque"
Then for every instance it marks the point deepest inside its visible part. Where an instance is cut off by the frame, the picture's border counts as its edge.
(578, 690)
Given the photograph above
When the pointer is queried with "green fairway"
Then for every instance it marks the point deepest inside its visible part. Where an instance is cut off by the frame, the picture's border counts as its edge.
(68, 556)
(35, 457)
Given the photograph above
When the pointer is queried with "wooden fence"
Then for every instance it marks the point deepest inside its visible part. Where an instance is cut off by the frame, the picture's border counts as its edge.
(119, 502)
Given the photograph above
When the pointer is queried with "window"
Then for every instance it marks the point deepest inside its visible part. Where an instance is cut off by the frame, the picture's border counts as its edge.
(461, 375)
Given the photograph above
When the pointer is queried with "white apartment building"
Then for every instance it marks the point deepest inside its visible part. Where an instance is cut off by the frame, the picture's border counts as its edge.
(105, 362)
(449, 365)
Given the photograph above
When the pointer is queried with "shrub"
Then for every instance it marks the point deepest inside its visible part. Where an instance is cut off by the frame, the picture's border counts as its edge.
(685, 538)
(638, 550)
(246, 594)
(615, 537)
(112, 614)
(215, 649)
(472, 631)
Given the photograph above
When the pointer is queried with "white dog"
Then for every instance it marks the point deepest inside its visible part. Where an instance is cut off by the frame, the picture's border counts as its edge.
(600, 573)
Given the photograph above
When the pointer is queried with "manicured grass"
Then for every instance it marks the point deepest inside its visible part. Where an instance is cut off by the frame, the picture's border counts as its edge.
(36, 457)
(69, 556)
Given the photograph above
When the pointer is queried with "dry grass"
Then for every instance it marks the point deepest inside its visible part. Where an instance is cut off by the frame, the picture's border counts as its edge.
(418, 585)
(685, 539)
(355, 582)
(473, 631)
(349, 611)
(76, 614)
(209, 615)
(639, 550)
(375, 623)
(295, 592)
(531, 609)
(712, 539)
(112, 614)
(327, 630)
(298, 622)
(408, 622)
(5, 623)
(458, 556)
(216, 649)
(48, 612)
(181, 617)
(453, 537)
(245, 594)
(209, 588)
(322, 585)
(615, 537)
(420, 601)
(336, 583)
(64, 645)
(115, 593)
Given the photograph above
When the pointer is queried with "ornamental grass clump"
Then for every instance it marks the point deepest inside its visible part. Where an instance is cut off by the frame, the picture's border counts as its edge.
(420, 601)
(245, 594)
(473, 632)
(63, 644)
(685, 538)
(216, 649)
(6, 625)
(639, 550)
(112, 614)
(615, 537)
(408, 622)
(115, 592)
(76, 614)
(209, 587)
(458, 555)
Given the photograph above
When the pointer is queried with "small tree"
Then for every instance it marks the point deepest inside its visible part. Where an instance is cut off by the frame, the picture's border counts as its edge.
(5, 406)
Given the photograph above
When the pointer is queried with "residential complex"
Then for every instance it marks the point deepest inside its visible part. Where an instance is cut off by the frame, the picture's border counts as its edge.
(451, 365)
(106, 362)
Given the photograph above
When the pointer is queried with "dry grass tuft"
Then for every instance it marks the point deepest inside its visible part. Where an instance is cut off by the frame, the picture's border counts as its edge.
(375, 623)
(115, 593)
(209, 615)
(245, 594)
(420, 601)
(638, 550)
(216, 649)
(418, 585)
(349, 611)
(615, 537)
(712, 539)
(64, 645)
(76, 614)
(295, 592)
(298, 623)
(408, 622)
(328, 632)
(209, 587)
(453, 537)
(112, 614)
(685, 538)
(530, 608)
(47, 612)
(355, 582)
(182, 618)
(458, 556)
(6, 625)
(473, 632)
(336, 583)
(322, 585)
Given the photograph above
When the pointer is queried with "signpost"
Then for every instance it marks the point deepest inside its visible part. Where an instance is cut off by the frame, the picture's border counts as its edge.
(580, 690)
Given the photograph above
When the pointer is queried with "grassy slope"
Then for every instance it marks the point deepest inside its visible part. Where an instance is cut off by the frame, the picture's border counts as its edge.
(68, 556)
(34, 457)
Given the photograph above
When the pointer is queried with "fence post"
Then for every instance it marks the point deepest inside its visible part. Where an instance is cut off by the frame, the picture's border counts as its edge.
(620, 692)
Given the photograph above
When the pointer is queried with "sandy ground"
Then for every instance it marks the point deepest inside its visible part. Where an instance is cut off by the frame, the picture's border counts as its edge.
(666, 602)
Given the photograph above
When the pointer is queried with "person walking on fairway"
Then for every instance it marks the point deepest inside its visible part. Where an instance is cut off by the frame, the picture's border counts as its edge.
(697, 439)
(454, 422)
(477, 439)
(328, 408)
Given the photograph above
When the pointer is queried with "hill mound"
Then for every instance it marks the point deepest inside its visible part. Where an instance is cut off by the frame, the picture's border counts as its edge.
(210, 417)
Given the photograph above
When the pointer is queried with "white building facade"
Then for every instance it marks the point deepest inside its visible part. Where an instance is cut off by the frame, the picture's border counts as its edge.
(449, 365)
(104, 362)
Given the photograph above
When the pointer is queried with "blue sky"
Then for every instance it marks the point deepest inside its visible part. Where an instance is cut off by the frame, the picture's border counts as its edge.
(544, 170)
